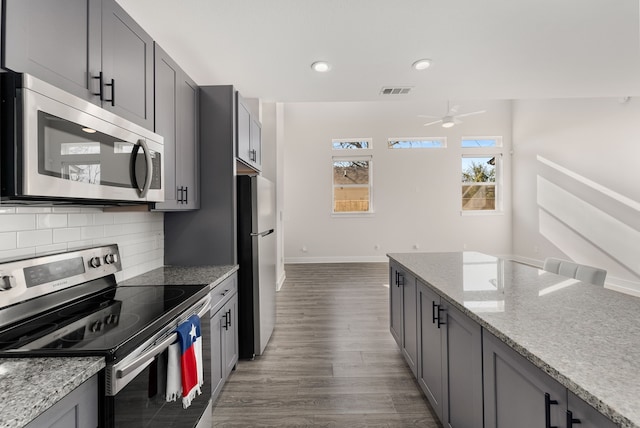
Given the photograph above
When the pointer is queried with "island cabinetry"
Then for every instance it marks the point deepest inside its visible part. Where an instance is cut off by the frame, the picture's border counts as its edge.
(582, 415)
(79, 409)
(449, 360)
(90, 48)
(224, 332)
(403, 313)
(176, 119)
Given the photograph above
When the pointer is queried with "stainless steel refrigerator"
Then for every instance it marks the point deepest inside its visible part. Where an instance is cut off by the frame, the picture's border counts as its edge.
(257, 260)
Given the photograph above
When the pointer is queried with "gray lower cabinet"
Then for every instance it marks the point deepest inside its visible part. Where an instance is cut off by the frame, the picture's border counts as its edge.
(90, 48)
(449, 360)
(517, 393)
(176, 119)
(402, 288)
(79, 409)
(224, 333)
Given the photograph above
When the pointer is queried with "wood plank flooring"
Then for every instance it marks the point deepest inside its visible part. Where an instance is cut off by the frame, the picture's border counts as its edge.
(331, 361)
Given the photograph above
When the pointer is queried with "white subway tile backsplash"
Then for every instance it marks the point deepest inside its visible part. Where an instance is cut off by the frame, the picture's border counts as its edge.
(34, 238)
(48, 221)
(15, 222)
(27, 231)
(66, 234)
(7, 240)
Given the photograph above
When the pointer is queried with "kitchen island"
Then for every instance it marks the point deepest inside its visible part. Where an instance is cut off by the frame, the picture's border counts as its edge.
(584, 337)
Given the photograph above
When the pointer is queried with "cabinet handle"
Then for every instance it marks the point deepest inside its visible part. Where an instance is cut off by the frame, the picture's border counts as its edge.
(547, 410)
(226, 321)
(113, 92)
(229, 318)
(434, 313)
(100, 82)
(186, 194)
(571, 420)
(440, 310)
(400, 279)
(179, 191)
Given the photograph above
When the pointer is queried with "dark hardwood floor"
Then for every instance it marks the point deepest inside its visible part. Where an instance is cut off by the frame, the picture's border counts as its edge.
(331, 361)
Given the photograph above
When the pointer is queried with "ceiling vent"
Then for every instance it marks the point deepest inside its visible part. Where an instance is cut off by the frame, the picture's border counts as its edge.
(389, 90)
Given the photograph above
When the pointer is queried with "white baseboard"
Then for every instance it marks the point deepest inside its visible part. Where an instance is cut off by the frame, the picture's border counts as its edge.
(348, 259)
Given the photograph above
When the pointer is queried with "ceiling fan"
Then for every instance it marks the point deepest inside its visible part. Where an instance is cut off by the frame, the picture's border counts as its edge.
(451, 117)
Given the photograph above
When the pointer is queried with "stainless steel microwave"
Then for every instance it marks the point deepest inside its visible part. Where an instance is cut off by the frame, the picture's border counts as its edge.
(57, 148)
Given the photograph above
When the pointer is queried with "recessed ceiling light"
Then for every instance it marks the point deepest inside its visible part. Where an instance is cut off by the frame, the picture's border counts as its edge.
(89, 130)
(421, 64)
(321, 66)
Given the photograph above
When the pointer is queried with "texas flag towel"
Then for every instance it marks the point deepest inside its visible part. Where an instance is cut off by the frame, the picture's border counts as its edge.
(185, 357)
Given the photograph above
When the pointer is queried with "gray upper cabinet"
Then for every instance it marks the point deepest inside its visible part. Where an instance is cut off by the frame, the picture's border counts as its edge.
(249, 136)
(127, 64)
(56, 41)
(90, 48)
(176, 119)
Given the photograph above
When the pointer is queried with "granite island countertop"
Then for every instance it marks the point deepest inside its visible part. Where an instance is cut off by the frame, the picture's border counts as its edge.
(31, 385)
(584, 336)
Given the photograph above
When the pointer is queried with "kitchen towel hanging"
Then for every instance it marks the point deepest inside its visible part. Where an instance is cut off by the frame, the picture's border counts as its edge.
(184, 365)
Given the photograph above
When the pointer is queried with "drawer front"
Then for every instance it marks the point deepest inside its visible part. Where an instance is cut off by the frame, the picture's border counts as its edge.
(223, 292)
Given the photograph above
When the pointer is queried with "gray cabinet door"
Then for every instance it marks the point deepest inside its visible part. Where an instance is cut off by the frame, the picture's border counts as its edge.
(79, 409)
(230, 349)
(395, 304)
(431, 349)
(409, 320)
(462, 369)
(256, 144)
(56, 41)
(585, 416)
(218, 321)
(127, 60)
(515, 391)
(243, 133)
(176, 110)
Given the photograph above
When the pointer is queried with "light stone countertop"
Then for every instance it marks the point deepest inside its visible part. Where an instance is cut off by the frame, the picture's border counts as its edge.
(31, 385)
(584, 336)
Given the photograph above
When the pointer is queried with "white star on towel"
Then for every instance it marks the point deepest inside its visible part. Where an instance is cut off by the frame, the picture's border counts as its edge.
(192, 333)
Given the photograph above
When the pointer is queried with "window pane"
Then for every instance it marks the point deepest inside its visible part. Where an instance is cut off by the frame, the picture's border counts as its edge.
(417, 143)
(489, 142)
(350, 144)
(478, 197)
(350, 172)
(481, 169)
(350, 199)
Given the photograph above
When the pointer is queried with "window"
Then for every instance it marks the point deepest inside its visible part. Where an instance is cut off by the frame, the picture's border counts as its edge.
(480, 171)
(351, 144)
(352, 184)
(417, 143)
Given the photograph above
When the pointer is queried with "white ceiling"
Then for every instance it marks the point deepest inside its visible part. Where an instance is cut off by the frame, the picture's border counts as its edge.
(481, 49)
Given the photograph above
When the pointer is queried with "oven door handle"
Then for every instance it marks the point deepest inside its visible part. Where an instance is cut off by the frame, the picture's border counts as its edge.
(147, 356)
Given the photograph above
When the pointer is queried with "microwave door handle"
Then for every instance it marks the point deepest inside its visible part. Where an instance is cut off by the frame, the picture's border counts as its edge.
(142, 192)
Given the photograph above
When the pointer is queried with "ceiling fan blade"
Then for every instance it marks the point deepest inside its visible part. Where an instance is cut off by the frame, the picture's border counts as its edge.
(470, 114)
(453, 110)
(433, 123)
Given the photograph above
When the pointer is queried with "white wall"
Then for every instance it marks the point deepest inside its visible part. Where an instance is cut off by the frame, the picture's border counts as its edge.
(575, 183)
(416, 193)
(27, 232)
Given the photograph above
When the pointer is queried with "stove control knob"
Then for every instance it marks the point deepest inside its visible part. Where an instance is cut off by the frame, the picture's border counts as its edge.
(96, 326)
(7, 282)
(95, 262)
(111, 319)
(111, 258)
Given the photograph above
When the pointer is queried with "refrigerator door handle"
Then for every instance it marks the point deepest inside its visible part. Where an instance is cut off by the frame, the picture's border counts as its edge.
(263, 234)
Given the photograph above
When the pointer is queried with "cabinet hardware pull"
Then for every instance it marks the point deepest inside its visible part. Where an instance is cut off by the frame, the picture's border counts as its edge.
(113, 92)
(186, 194)
(397, 280)
(547, 410)
(434, 317)
(229, 318)
(100, 82)
(440, 310)
(571, 420)
(179, 194)
(400, 279)
(226, 321)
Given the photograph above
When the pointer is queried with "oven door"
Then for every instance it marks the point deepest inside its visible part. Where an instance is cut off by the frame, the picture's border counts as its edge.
(73, 149)
(141, 402)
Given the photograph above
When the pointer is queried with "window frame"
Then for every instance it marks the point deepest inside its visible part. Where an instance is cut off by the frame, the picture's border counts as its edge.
(497, 152)
(368, 158)
(443, 140)
(369, 142)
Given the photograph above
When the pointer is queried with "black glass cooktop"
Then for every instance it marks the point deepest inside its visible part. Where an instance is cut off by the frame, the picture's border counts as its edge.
(105, 323)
